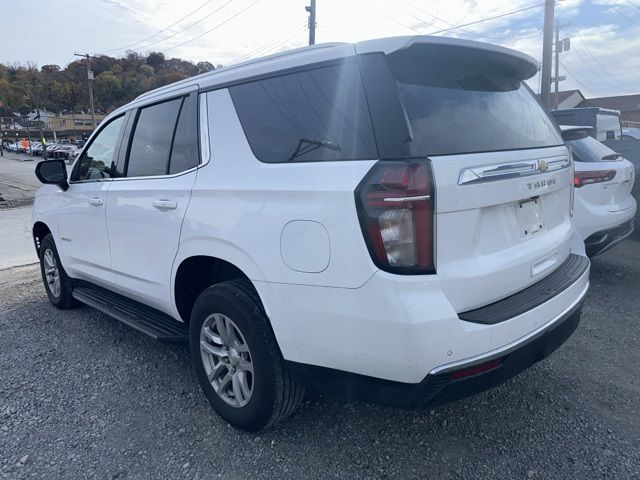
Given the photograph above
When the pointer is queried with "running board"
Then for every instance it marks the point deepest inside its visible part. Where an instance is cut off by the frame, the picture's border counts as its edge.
(147, 320)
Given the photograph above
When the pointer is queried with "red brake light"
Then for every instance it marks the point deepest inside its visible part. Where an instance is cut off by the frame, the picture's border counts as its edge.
(585, 178)
(395, 205)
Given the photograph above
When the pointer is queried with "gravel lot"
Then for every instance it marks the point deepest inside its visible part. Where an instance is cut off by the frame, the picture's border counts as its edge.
(82, 396)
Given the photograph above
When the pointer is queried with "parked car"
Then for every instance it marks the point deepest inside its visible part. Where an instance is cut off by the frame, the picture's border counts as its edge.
(64, 151)
(75, 152)
(52, 148)
(604, 206)
(313, 219)
(37, 150)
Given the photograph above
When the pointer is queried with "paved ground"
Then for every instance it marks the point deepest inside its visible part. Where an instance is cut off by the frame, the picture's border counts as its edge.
(18, 182)
(82, 396)
(16, 243)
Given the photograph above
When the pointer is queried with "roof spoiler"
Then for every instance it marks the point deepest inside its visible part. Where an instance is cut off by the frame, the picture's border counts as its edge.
(525, 65)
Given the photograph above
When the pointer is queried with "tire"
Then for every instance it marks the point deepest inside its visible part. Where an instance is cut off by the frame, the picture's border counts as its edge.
(274, 393)
(61, 296)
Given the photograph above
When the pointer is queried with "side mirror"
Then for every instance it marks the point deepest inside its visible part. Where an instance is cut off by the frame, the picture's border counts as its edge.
(53, 172)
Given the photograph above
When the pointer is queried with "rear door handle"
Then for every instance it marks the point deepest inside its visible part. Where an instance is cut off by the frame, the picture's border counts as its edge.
(96, 202)
(165, 204)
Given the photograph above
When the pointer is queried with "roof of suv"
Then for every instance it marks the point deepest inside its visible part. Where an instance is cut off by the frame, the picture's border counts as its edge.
(319, 53)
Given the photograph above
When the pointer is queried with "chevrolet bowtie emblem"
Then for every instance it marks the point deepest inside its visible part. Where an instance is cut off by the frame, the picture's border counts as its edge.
(543, 166)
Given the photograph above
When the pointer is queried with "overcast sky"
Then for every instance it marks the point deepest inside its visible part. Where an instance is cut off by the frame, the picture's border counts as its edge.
(605, 34)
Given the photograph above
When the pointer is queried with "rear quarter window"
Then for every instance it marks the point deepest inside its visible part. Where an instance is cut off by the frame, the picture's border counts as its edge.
(319, 114)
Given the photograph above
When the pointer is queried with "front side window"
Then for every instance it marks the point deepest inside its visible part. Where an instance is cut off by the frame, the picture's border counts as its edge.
(95, 163)
(314, 115)
(151, 144)
(462, 100)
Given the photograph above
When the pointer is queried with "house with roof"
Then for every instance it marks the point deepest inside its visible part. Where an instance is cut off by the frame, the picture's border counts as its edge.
(628, 105)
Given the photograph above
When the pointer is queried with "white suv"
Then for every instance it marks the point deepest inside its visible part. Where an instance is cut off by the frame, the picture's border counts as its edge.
(315, 219)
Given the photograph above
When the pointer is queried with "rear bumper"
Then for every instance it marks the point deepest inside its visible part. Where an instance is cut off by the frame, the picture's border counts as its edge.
(603, 240)
(448, 383)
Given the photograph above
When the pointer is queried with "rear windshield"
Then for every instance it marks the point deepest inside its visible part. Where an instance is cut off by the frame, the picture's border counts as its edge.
(608, 127)
(588, 149)
(461, 100)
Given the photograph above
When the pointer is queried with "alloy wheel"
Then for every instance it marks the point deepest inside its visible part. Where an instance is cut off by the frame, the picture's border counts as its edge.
(52, 275)
(227, 360)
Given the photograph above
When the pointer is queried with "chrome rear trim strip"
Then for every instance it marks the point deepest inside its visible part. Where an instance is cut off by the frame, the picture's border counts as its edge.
(503, 171)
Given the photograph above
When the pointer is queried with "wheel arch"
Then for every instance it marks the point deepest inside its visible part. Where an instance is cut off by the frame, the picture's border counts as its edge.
(39, 231)
(198, 272)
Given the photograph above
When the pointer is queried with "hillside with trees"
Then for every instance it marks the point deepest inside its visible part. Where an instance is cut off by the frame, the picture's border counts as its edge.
(117, 81)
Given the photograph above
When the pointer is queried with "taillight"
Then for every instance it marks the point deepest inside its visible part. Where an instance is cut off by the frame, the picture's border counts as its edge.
(396, 209)
(581, 179)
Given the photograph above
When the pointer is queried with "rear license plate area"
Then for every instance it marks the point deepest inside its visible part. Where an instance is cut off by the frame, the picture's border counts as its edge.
(530, 217)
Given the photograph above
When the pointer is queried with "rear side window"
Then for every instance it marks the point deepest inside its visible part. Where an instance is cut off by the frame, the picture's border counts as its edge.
(151, 143)
(314, 115)
(184, 153)
(462, 100)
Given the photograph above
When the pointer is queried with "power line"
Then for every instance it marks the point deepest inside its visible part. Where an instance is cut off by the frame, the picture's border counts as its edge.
(605, 71)
(159, 31)
(489, 18)
(187, 27)
(613, 7)
(632, 4)
(586, 89)
(454, 27)
(214, 28)
(273, 43)
(467, 33)
(273, 47)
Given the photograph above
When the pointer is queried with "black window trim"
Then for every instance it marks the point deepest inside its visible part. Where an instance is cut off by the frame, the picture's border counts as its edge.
(86, 147)
(135, 114)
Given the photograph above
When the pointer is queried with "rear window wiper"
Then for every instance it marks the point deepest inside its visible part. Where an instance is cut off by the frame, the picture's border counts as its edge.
(612, 156)
(306, 145)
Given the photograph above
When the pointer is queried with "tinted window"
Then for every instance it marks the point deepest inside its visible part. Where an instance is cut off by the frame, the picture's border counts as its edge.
(151, 143)
(96, 160)
(460, 100)
(315, 115)
(588, 149)
(184, 154)
(608, 127)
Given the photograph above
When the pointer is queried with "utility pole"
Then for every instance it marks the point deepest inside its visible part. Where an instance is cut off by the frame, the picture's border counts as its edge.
(34, 93)
(560, 46)
(90, 81)
(547, 50)
(312, 22)
(556, 79)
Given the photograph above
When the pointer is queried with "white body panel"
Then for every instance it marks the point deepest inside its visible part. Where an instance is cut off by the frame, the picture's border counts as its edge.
(240, 207)
(480, 232)
(604, 205)
(293, 229)
(79, 215)
(144, 218)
